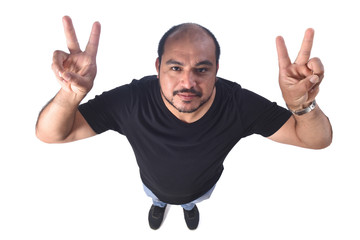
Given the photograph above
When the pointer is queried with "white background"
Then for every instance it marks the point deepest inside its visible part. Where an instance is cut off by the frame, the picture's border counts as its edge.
(91, 189)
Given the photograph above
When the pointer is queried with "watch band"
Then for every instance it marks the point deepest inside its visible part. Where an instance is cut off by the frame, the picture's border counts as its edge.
(305, 110)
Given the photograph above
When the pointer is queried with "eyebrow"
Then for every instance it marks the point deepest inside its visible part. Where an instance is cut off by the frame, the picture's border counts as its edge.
(174, 62)
(206, 62)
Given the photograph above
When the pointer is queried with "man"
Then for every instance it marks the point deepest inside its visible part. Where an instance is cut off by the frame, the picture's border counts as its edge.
(183, 122)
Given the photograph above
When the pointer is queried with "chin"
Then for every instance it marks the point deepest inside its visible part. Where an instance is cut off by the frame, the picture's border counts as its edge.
(186, 108)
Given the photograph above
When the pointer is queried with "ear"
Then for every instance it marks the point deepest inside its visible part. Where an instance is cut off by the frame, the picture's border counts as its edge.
(157, 65)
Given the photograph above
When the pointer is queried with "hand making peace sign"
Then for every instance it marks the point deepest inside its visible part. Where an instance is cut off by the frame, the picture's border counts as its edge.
(76, 71)
(299, 81)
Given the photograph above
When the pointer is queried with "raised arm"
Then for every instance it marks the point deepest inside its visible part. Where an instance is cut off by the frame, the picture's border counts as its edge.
(60, 121)
(299, 83)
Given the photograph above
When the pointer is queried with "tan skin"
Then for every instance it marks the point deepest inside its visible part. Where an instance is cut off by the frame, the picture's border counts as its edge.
(188, 62)
(299, 83)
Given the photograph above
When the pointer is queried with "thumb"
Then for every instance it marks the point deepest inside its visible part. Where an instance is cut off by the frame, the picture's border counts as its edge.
(67, 76)
(311, 81)
(77, 83)
(73, 78)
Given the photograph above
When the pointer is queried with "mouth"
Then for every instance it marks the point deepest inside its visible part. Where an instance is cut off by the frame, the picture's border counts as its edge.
(187, 96)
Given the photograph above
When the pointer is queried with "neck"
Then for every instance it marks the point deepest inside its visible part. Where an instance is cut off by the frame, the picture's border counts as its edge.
(194, 116)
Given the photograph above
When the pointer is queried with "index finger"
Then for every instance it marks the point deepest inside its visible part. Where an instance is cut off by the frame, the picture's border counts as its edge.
(71, 39)
(305, 50)
(93, 43)
(283, 56)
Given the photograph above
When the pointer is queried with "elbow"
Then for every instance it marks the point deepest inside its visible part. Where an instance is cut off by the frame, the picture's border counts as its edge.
(41, 137)
(328, 143)
(322, 141)
(45, 138)
(321, 146)
(327, 137)
(325, 143)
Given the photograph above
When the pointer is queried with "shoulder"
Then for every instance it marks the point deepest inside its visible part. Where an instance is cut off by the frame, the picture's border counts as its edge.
(234, 91)
(246, 101)
(145, 82)
(125, 94)
(227, 85)
(134, 87)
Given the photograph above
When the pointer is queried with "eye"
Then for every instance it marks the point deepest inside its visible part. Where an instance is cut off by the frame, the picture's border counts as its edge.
(175, 68)
(202, 70)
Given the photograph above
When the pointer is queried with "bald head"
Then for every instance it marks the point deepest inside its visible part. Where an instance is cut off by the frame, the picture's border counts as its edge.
(188, 32)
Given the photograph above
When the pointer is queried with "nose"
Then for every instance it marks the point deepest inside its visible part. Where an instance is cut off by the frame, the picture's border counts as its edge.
(188, 80)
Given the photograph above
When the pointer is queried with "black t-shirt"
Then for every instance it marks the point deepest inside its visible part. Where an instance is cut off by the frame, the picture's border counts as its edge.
(178, 161)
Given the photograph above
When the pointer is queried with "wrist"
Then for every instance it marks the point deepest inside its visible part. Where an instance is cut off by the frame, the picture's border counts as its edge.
(68, 99)
(303, 109)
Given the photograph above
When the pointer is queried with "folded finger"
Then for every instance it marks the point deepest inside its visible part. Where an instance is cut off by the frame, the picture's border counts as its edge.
(316, 66)
(314, 92)
(58, 63)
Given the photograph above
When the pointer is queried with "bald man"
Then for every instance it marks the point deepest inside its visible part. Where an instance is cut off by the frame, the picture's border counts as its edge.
(182, 122)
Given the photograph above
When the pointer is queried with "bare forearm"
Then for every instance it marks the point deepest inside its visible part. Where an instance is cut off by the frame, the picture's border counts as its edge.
(314, 129)
(56, 120)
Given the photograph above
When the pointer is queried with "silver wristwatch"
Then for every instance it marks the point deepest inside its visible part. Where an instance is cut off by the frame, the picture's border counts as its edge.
(305, 110)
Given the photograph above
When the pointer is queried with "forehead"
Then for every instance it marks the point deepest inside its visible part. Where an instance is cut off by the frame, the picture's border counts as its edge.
(190, 41)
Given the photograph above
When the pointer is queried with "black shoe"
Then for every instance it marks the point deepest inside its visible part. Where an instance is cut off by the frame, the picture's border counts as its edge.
(156, 216)
(192, 218)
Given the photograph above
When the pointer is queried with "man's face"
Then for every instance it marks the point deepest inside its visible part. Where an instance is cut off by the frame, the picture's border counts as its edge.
(188, 70)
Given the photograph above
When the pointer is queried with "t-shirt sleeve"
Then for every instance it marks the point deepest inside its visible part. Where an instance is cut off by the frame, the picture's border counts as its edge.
(260, 115)
(108, 111)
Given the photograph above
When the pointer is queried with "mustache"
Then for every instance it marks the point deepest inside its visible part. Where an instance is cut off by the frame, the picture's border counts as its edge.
(191, 90)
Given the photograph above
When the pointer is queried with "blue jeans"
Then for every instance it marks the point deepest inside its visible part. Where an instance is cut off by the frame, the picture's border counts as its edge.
(188, 206)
